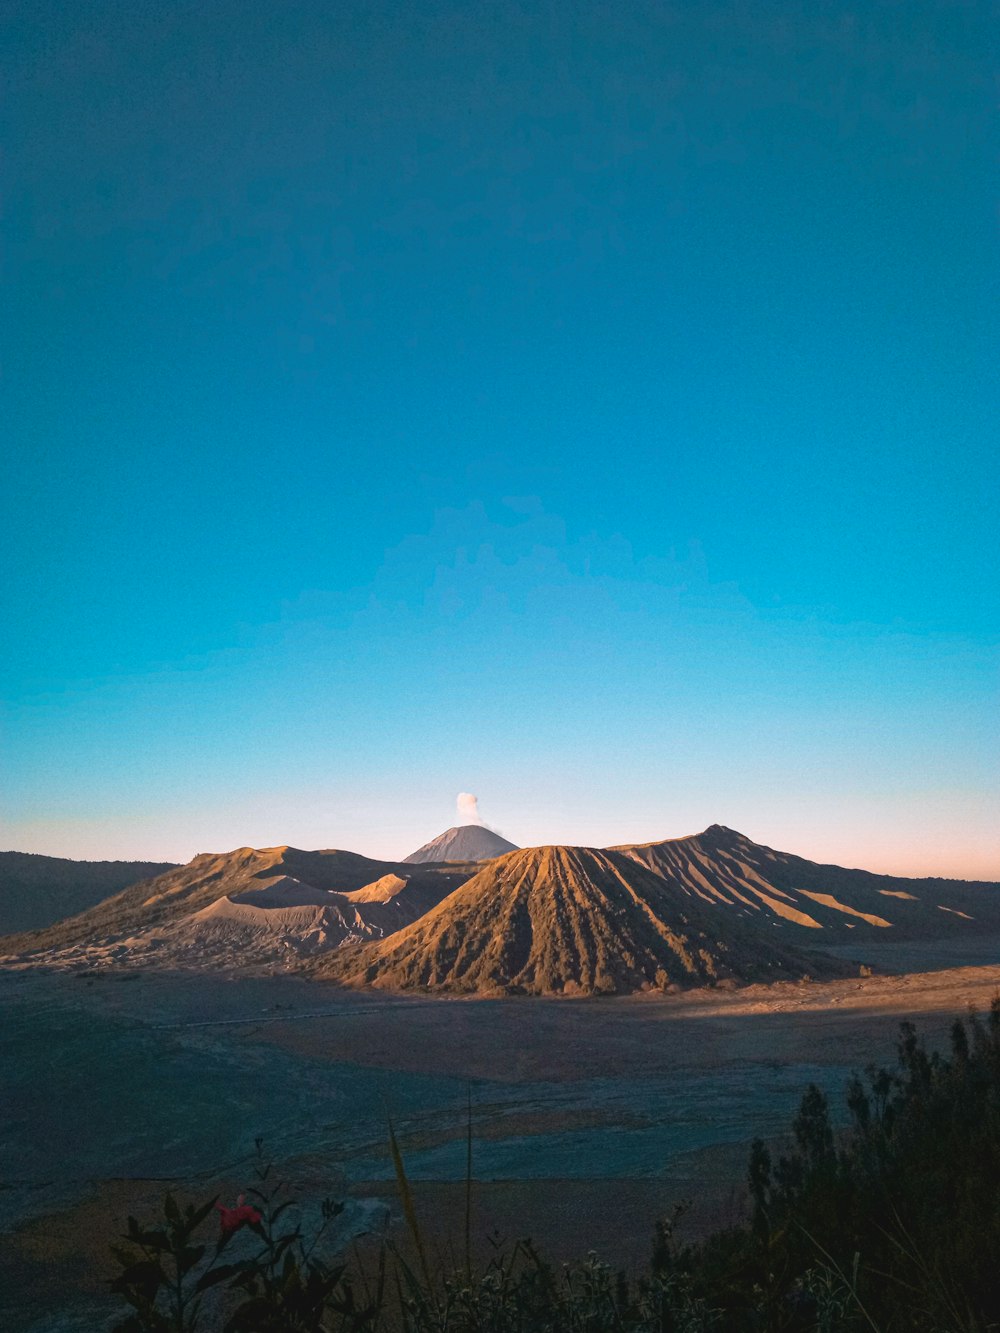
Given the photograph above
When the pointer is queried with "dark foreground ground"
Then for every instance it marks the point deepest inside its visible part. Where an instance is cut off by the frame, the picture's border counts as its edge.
(590, 1117)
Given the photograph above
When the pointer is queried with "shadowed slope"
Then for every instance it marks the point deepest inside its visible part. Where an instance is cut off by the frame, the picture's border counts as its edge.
(155, 902)
(564, 920)
(466, 842)
(815, 904)
(36, 891)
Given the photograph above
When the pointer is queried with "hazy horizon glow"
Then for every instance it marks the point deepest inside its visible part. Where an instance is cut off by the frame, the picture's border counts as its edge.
(592, 409)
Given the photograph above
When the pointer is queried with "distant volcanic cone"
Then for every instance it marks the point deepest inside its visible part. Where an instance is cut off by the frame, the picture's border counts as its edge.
(465, 842)
(569, 920)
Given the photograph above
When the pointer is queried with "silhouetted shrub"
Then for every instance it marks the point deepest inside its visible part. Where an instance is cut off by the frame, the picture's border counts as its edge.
(899, 1215)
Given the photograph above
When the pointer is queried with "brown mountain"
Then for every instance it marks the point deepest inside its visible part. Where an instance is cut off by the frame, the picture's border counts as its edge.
(266, 905)
(466, 842)
(568, 920)
(816, 904)
(35, 890)
(689, 910)
(547, 920)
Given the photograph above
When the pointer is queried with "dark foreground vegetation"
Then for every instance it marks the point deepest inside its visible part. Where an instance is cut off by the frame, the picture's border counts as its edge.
(890, 1224)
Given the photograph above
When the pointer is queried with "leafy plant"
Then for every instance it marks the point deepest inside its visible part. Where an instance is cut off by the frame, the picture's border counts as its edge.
(283, 1284)
(286, 1286)
(162, 1275)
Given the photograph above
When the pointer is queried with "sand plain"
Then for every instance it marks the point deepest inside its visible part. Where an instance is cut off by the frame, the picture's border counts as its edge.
(590, 1117)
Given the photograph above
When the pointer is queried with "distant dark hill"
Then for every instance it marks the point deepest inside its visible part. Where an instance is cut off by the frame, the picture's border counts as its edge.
(35, 891)
(816, 904)
(569, 920)
(248, 906)
(466, 842)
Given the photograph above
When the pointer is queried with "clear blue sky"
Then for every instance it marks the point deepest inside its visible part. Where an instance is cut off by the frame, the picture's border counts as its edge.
(588, 405)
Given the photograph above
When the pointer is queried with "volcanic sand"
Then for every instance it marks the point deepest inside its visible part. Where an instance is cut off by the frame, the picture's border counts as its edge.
(565, 1055)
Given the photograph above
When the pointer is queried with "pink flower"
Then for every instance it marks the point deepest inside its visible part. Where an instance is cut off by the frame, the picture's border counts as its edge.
(231, 1219)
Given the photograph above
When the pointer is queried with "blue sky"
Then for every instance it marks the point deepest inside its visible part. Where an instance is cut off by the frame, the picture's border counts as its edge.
(589, 406)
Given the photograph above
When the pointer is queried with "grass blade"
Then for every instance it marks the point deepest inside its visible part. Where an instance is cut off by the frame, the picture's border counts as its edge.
(406, 1197)
(468, 1186)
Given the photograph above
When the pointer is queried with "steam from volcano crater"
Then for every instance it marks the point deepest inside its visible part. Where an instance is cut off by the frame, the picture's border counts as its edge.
(468, 808)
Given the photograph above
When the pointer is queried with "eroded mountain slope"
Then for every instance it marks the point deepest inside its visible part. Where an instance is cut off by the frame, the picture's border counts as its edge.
(248, 907)
(810, 903)
(565, 920)
(548, 920)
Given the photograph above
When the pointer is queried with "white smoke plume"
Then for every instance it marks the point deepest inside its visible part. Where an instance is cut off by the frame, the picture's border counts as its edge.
(468, 808)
